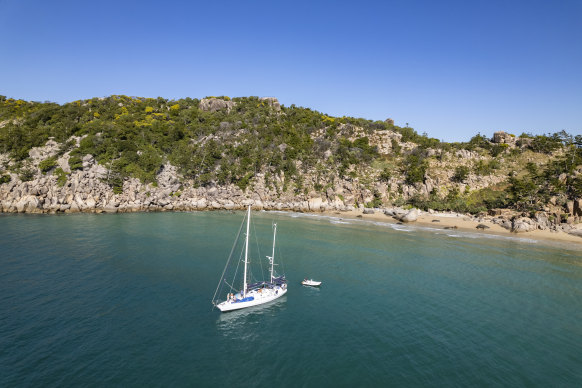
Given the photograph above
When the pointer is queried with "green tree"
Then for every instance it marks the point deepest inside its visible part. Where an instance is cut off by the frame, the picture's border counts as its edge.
(47, 164)
(415, 169)
(461, 173)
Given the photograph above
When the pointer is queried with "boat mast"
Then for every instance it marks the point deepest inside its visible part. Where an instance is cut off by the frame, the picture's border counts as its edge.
(273, 257)
(244, 290)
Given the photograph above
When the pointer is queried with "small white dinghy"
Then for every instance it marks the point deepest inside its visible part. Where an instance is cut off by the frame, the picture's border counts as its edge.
(311, 282)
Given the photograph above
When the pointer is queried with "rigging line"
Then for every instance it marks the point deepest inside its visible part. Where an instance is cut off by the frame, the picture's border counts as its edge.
(228, 261)
(281, 261)
(279, 256)
(221, 285)
(231, 287)
(237, 265)
(258, 251)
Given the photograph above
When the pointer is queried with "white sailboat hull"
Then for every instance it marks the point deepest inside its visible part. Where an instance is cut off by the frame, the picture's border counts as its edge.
(257, 293)
(259, 297)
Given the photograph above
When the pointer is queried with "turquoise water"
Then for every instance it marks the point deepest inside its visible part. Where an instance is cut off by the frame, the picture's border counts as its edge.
(124, 300)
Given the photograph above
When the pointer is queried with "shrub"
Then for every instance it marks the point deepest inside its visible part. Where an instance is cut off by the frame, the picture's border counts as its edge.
(376, 202)
(47, 164)
(61, 177)
(75, 162)
(461, 173)
(26, 174)
(396, 148)
(5, 179)
(478, 141)
(416, 169)
(545, 144)
(482, 168)
(385, 175)
(244, 182)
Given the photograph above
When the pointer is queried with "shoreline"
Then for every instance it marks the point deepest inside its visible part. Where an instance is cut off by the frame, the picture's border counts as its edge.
(461, 223)
(436, 221)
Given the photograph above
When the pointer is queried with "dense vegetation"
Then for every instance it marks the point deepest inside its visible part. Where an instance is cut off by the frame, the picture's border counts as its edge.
(134, 136)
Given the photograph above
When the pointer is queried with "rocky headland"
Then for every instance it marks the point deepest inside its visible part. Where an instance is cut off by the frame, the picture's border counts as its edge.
(217, 153)
(86, 191)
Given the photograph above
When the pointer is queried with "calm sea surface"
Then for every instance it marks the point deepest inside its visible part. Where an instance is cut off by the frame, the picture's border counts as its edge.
(125, 300)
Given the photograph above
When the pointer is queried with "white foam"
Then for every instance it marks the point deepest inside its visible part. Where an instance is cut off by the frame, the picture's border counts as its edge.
(406, 227)
(340, 222)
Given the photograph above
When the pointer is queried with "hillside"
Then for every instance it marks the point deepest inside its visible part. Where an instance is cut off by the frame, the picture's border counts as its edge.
(123, 153)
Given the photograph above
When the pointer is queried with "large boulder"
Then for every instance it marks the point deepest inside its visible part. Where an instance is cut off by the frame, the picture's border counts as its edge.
(74, 208)
(315, 204)
(503, 222)
(88, 161)
(28, 204)
(110, 208)
(523, 224)
(410, 216)
(542, 220)
(570, 207)
(90, 203)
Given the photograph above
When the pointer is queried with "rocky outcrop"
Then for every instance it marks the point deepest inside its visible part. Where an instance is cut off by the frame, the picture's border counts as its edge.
(503, 138)
(384, 140)
(523, 224)
(519, 223)
(272, 102)
(38, 154)
(216, 104)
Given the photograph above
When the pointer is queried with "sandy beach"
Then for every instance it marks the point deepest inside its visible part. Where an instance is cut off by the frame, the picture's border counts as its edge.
(461, 223)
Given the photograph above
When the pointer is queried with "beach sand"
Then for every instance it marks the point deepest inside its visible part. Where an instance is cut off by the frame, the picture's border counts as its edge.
(460, 223)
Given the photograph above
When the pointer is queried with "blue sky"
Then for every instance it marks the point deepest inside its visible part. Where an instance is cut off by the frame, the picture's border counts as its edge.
(448, 68)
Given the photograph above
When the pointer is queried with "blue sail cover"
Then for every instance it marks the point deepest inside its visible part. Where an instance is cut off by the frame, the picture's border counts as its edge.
(278, 281)
(254, 286)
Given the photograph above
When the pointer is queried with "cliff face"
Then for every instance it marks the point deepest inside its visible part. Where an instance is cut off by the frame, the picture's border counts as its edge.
(131, 154)
(87, 190)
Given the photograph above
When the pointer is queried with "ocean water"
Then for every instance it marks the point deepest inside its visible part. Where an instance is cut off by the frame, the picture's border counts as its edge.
(125, 300)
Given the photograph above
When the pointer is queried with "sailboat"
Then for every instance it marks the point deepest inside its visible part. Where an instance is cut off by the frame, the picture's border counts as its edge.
(251, 294)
